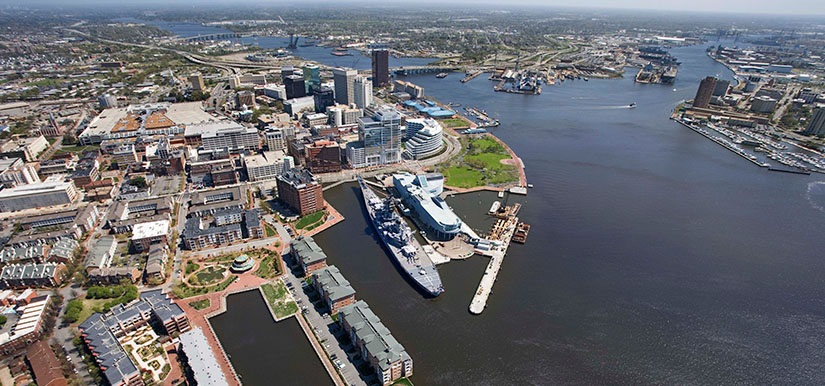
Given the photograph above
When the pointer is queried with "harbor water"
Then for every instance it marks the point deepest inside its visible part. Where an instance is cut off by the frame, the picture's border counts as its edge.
(655, 256)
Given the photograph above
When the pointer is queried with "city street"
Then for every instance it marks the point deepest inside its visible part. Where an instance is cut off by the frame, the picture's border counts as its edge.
(64, 334)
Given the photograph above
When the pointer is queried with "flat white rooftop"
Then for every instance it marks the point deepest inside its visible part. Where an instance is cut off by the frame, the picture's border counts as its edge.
(210, 129)
(33, 189)
(104, 122)
(205, 367)
(188, 113)
(265, 159)
(150, 229)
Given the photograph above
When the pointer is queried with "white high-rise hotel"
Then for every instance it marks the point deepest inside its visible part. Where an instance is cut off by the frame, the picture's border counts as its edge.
(363, 92)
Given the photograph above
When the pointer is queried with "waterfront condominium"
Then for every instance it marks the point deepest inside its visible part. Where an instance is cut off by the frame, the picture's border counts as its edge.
(380, 67)
(306, 251)
(379, 140)
(344, 80)
(816, 125)
(375, 342)
(333, 287)
(704, 92)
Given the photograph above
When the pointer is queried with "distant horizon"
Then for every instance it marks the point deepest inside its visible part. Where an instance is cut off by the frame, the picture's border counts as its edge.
(799, 8)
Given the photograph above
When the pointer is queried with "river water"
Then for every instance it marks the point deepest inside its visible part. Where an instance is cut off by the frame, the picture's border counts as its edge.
(655, 257)
(324, 55)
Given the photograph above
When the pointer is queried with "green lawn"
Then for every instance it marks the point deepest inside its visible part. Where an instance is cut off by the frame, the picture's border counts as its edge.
(486, 144)
(76, 149)
(270, 266)
(463, 177)
(200, 304)
(44, 82)
(503, 176)
(309, 219)
(222, 258)
(481, 165)
(275, 294)
(90, 306)
(454, 122)
(183, 291)
(269, 231)
(402, 382)
(191, 267)
(489, 161)
(209, 275)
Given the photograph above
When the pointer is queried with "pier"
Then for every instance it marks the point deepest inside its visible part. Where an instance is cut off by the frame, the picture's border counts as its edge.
(485, 287)
(471, 76)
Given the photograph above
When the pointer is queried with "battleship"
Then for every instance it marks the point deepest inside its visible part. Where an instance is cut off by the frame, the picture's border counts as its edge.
(400, 242)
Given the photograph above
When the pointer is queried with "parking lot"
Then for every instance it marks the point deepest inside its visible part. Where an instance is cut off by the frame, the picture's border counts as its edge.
(165, 185)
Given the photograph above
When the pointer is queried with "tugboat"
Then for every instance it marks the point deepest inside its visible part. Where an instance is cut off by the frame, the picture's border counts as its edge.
(520, 236)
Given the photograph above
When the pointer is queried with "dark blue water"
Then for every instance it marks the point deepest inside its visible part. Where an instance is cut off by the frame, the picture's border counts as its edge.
(313, 53)
(278, 349)
(655, 256)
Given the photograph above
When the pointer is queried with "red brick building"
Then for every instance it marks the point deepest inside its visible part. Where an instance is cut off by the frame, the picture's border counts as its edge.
(300, 191)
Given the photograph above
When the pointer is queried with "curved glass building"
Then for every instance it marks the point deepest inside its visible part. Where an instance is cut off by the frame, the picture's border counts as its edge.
(423, 138)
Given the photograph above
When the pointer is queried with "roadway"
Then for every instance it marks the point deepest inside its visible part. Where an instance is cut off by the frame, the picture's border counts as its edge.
(321, 322)
(453, 148)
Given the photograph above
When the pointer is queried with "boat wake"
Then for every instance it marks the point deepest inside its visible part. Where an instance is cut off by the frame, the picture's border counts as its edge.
(612, 107)
(816, 195)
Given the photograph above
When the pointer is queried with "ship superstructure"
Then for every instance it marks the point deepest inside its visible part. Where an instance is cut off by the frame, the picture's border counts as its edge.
(397, 236)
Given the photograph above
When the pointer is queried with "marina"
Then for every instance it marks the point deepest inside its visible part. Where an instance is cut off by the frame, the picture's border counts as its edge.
(799, 163)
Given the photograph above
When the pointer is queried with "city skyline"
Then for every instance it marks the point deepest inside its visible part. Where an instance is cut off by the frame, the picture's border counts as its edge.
(741, 7)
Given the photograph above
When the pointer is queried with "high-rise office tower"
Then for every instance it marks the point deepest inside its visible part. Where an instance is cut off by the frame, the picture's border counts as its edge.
(312, 77)
(344, 85)
(363, 92)
(380, 67)
(704, 92)
(816, 125)
(379, 138)
(294, 85)
(287, 71)
(197, 81)
(721, 88)
(324, 97)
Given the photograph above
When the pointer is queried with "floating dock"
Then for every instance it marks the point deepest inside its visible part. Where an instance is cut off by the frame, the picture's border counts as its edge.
(485, 287)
